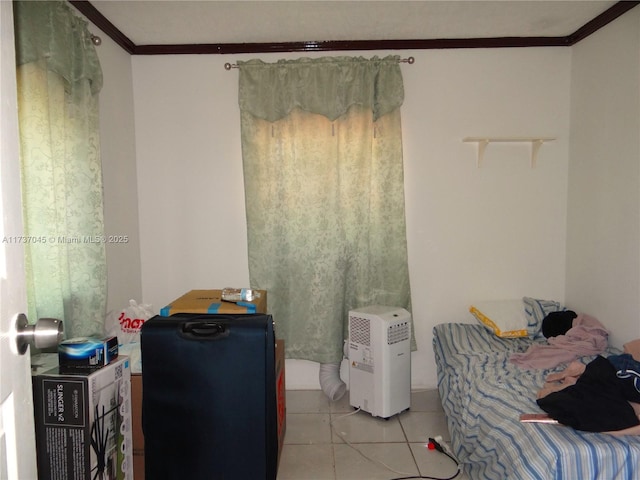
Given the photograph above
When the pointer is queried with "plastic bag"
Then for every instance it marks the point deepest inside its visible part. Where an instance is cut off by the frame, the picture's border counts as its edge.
(126, 324)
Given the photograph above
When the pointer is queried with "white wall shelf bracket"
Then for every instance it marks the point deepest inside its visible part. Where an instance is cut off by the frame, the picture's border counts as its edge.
(536, 143)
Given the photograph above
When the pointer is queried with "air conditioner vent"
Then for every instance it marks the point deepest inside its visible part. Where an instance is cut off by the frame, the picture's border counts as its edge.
(360, 330)
(398, 332)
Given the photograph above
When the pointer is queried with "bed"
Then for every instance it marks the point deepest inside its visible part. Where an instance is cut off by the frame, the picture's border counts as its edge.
(483, 395)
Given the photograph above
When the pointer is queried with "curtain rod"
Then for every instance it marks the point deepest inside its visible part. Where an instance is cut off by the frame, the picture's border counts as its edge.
(409, 60)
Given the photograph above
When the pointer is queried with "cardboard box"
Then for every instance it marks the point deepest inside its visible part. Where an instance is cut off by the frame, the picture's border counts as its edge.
(281, 396)
(83, 423)
(210, 301)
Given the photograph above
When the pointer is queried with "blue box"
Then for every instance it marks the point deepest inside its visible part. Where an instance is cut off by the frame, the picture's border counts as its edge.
(87, 353)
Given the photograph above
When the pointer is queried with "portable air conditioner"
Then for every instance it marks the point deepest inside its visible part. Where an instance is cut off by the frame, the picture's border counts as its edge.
(380, 360)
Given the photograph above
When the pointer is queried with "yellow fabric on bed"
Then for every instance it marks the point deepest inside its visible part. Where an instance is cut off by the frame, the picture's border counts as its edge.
(505, 318)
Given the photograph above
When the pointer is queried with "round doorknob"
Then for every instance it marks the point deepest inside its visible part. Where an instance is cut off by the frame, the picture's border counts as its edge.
(45, 333)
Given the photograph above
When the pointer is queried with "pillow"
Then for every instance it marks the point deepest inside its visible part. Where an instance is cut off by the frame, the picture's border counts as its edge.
(505, 318)
(537, 310)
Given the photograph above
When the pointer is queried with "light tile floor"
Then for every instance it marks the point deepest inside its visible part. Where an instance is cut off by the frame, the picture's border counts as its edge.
(377, 449)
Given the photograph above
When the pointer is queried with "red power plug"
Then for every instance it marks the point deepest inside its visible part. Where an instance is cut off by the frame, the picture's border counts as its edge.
(434, 445)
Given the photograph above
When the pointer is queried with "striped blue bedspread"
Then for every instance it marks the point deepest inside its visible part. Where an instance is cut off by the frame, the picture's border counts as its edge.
(483, 395)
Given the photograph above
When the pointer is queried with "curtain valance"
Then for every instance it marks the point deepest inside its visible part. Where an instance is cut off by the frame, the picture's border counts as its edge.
(50, 32)
(327, 86)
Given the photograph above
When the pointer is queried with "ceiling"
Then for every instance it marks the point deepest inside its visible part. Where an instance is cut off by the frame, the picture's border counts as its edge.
(152, 27)
(185, 22)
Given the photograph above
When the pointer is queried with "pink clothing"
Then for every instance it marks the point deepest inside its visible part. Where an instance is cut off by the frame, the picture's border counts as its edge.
(559, 380)
(587, 336)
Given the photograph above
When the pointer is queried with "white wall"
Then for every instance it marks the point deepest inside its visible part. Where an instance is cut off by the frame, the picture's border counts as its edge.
(494, 232)
(117, 147)
(603, 259)
(191, 196)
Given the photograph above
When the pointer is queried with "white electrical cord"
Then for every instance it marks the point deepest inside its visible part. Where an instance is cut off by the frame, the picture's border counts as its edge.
(443, 446)
(378, 462)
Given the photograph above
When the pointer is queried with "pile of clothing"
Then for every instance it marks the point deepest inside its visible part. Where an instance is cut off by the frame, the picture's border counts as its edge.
(569, 336)
(600, 400)
(601, 396)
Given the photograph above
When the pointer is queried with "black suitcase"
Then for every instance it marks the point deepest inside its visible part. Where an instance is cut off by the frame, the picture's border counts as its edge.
(209, 397)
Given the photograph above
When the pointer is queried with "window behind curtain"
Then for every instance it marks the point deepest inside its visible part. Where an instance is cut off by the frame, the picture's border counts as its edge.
(322, 153)
(59, 78)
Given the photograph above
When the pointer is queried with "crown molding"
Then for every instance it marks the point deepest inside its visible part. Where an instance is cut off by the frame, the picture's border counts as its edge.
(88, 10)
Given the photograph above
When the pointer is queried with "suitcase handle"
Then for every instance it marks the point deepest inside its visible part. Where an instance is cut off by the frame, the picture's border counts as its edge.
(204, 330)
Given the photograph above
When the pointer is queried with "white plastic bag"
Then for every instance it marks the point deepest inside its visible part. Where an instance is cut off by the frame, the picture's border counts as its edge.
(126, 324)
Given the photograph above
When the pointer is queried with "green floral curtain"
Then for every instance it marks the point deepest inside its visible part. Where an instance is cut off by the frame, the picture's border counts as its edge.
(59, 78)
(323, 170)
